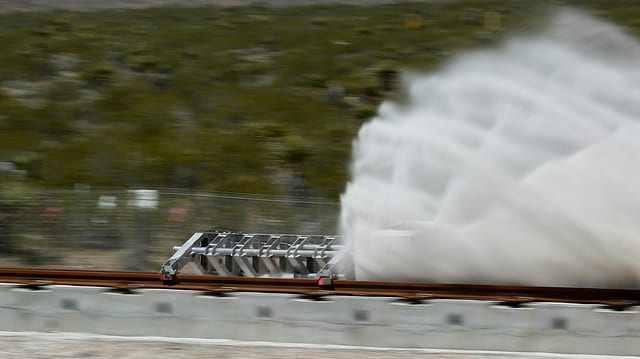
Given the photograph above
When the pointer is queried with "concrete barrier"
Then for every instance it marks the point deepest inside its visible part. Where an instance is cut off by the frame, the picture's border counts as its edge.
(345, 320)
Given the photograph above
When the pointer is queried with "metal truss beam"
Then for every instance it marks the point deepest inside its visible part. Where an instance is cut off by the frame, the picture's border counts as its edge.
(256, 255)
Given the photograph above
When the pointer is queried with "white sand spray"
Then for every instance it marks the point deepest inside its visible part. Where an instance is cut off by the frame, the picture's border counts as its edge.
(518, 165)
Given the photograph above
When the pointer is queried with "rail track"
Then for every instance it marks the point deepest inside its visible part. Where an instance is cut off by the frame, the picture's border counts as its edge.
(414, 292)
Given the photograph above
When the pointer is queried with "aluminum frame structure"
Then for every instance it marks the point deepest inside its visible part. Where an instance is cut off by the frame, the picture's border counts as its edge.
(257, 255)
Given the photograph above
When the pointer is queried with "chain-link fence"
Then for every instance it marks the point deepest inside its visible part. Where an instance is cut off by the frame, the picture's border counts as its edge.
(136, 229)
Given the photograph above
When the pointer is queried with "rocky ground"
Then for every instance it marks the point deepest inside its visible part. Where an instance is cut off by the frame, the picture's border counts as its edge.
(65, 345)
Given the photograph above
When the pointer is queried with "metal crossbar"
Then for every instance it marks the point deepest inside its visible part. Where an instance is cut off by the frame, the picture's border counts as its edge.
(256, 255)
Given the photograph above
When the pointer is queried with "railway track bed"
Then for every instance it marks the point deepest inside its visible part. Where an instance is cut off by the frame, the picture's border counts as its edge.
(515, 296)
(317, 311)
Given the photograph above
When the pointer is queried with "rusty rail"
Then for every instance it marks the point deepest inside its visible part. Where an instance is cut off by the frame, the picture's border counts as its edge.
(414, 292)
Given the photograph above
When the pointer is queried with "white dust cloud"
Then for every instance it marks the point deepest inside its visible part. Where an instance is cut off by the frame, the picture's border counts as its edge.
(519, 165)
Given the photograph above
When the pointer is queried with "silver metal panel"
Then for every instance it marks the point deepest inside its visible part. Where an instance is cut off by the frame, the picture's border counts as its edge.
(257, 255)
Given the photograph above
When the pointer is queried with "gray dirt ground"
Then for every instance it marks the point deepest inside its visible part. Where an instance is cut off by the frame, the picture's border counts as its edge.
(71, 345)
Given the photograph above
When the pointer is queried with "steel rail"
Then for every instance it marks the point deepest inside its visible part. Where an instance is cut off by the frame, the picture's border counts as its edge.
(412, 292)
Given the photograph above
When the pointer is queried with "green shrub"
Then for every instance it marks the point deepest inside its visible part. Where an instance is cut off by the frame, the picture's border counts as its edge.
(296, 149)
(213, 96)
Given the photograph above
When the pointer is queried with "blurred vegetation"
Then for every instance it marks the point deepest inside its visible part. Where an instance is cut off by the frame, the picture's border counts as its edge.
(240, 99)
